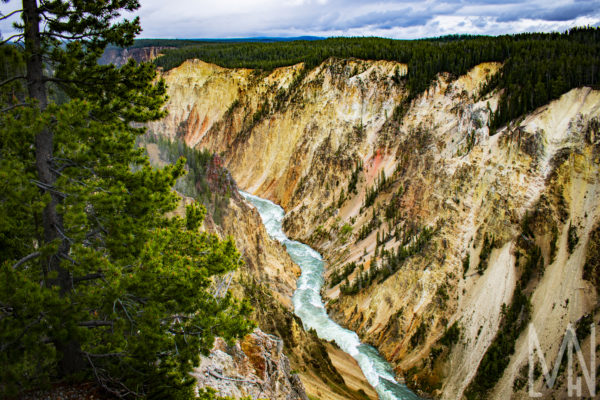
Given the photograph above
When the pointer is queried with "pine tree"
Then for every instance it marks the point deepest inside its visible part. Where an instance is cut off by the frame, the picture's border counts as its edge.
(96, 282)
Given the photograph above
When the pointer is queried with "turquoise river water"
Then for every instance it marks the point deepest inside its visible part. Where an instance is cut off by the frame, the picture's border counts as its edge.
(308, 305)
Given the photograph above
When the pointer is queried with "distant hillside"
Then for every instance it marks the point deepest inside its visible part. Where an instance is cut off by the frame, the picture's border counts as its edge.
(191, 42)
(537, 67)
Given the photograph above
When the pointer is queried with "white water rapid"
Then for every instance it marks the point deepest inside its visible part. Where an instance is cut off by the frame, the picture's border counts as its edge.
(308, 305)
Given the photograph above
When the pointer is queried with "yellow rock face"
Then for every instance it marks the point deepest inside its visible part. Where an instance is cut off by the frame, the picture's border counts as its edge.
(296, 137)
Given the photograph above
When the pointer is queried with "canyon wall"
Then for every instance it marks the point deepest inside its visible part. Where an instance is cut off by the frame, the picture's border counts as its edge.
(118, 56)
(443, 241)
(267, 279)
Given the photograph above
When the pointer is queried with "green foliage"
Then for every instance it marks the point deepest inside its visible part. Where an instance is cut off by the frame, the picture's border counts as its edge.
(141, 43)
(534, 263)
(526, 224)
(441, 296)
(514, 320)
(346, 229)
(96, 282)
(391, 262)
(451, 335)
(572, 238)
(466, 263)
(393, 208)
(143, 277)
(486, 250)
(206, 180)
(338, 276)
(583, 326)
(194, 215)
(553, 242)
(366, 229)
(345, 232)
(12, 64)
(342, 199)
(420, 334)
(542, 67)
(320, 233)
(354, 178)
(371, 193)
(591, 268)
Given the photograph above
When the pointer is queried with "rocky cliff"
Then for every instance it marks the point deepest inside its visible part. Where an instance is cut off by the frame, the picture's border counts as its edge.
(443, 240)
(255, 367)
(119, 56)
(267, 278)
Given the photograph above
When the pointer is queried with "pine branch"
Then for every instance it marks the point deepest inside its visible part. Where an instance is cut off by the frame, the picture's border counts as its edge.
(103, 355)
(49, 188)
(10, 344)
(88, 277)
(65, 237)
(184, 332)
(7, 109)
(26, 258)
(95, 324)
(70, 37)
(18, 35)
(10, 14)
(14, 78)
(104, 381)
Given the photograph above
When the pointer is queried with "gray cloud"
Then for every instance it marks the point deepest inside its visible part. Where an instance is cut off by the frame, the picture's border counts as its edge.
(391, 18)
(563, 12)
(385, 19)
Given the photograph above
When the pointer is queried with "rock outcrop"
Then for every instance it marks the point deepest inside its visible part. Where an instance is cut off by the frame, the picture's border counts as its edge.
(255, 367)
(119, 56)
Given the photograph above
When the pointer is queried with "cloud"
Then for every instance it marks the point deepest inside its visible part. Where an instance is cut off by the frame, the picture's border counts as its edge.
(390, 18)
(562, 12)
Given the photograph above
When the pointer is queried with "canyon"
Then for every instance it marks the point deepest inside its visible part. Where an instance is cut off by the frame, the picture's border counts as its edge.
(432, 227)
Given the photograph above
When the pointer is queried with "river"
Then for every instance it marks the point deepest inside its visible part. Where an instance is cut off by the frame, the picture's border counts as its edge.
(308, 305)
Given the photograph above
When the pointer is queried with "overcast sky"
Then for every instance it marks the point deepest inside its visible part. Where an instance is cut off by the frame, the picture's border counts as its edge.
(388, 18)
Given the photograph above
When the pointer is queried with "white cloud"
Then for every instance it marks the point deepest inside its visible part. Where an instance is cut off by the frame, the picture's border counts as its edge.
(390, 18)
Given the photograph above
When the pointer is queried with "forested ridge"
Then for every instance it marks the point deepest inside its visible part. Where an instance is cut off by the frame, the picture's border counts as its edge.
(538, 67)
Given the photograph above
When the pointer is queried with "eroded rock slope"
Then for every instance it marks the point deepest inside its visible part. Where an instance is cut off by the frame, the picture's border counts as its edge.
(443, 240)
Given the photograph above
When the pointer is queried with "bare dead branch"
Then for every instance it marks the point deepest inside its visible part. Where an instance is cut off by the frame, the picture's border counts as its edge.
(65, 237)
(219, 376)
(26, 258)
(103, 355)
(10, 14)
(49, 188)
(65, 256)
(105, 381)
(8, 39)
(7, 109)
(88, 277)
(14, 78)
(95, 324)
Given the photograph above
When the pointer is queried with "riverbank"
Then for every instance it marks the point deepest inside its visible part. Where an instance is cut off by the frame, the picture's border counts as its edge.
(308, 305)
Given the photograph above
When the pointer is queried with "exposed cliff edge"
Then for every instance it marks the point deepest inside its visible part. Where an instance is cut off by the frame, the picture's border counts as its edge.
(255, 367)
(424, 216)
(119, 56)
(267, 279)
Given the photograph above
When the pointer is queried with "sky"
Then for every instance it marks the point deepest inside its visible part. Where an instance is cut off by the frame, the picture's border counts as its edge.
(407, 19)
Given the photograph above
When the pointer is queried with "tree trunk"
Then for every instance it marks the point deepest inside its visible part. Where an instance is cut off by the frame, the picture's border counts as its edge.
(71, 360)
